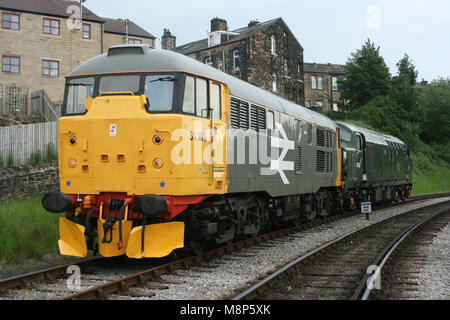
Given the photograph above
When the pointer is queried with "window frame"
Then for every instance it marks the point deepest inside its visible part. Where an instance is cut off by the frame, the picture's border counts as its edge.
(208, 96)
(211, 86)
(134, 41)
(313, 82)
(10, 64)
(10, 22)
(49, 75)
(334, 83)
(83, 32)
(319, 82)
(236, 66)
(273, 46)
(272, 126)
(51, 26)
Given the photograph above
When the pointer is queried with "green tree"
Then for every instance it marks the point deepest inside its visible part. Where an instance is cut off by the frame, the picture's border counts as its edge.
(435, 101)
(367, 76)
(404, 93)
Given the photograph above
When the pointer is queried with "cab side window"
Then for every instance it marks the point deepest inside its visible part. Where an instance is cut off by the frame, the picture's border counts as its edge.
(358, 142)
(215, 100)
(202, 98)
(189, 95)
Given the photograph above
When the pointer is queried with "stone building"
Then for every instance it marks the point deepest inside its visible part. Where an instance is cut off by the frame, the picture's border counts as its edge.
(39, 44)
(321, 86)
(266, 54)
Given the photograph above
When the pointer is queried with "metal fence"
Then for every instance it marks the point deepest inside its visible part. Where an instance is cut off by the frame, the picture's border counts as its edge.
(18, 143)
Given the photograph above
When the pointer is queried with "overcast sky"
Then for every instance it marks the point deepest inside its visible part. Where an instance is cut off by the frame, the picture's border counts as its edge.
(328, 30)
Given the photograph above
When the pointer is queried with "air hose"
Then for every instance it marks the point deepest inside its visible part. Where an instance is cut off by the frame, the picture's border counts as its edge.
(119, 245)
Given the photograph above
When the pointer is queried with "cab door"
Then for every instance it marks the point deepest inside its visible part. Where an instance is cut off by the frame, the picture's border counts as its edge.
(218, 102)
(360, 158)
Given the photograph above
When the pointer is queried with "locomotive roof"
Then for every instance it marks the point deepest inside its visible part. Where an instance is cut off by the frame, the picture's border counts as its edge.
(372, 136)
(141, 58)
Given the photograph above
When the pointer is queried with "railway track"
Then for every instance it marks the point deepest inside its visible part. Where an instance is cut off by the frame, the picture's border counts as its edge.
(342, 268)
(151, 279)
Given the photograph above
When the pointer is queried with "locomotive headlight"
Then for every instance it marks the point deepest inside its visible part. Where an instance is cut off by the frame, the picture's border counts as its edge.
(157, 163)
(72, 163)
(73, 141)
(157, 139)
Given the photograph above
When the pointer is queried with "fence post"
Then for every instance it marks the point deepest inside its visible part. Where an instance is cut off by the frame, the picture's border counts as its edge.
(29, 102)
(3, 99)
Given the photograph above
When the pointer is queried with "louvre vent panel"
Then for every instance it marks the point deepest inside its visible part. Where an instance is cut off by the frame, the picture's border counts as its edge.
(320, 161)
(243, 115)
(320, 136)
(254, 118)
(234, 113)
(298, 159)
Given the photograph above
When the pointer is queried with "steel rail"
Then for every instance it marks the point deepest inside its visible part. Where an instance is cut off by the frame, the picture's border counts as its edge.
(256, 289)
(51, 274)
(384, 256)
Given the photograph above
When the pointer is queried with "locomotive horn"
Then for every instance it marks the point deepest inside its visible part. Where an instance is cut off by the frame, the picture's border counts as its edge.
(57, 202)
(151, 205)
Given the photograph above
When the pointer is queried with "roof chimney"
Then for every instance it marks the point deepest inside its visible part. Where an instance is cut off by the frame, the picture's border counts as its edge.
(168, 41)
(218, 24)
(253, 23)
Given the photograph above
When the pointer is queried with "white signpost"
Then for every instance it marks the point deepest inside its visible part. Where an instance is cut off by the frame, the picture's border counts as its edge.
(366, 207)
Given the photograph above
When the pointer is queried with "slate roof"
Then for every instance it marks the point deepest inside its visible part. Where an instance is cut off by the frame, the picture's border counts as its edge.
(56, 8)
(118, 26)
(324, 68)
(243, 33)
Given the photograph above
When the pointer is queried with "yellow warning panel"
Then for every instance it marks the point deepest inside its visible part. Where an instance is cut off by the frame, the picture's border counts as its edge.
(113, 248)
(71, 239)
(159, 240)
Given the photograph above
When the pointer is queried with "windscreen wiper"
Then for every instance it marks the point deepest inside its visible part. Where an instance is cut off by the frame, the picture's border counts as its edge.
(170, 78)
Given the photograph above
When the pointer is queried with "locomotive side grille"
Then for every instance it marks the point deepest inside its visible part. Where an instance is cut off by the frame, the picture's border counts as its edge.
(254, 118)
(329, 140)
(234, 113)
(243, 116)
(298, 160)
(320, 137)
(258, 118)
(329, 160)
(320, 161)
(261, 118)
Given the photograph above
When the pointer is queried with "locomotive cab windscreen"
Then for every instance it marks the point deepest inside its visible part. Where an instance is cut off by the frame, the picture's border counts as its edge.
(165, 92)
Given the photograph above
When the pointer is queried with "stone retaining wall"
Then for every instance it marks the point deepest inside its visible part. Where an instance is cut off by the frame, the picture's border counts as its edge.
(24, 181)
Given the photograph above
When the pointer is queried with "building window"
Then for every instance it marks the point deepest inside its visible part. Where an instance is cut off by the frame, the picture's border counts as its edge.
(307, 104)
(50, 68)
(319, 104)
(51, 27)
(273, 46)
(214, 39)
(134, 41)
(86, 31)
(335, 107)
(334, 83)
(236, 62)
(208, 61)
(320, 83)
(11, 64)
(286, 70)
(10, 21)
(313, 83)
(274, 82)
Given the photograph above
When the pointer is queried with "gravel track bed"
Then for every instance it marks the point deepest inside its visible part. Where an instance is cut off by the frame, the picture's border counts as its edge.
(233, 274)
(222, 277)
(434, 279)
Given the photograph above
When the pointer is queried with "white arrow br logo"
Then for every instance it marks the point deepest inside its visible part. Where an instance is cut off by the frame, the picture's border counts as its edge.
(280, 165)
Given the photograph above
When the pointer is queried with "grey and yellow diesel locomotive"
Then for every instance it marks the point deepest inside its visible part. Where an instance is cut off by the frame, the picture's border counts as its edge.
(158, 151)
